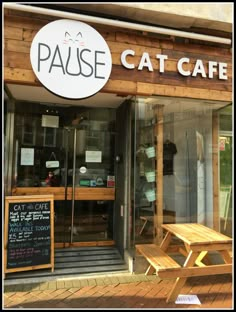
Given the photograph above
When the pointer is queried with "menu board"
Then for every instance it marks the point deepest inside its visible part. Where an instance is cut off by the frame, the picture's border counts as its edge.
(29, 232)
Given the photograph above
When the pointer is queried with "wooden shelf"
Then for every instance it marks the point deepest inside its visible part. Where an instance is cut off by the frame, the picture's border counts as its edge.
(81, 193)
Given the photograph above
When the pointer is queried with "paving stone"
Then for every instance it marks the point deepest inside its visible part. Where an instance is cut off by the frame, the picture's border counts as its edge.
(92, 282)
(27, 287)
(63, 295)
(107, 281)
(73, 289)
(144, 278)
(129, 279)
(18, 288)
(114, 280)
(52, 285)
(135, 278)
(214, 292)
(35, 287)
(68, 284)
(100, 282)
(43, 286)
(9, 288)
(9, 294)
(60, 284)
(151, 277)
(57, 292)
(76, 283)
(84, 282)
(122, 279)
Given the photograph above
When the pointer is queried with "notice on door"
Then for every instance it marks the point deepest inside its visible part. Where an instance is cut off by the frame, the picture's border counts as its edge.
(27, 157)
(93, 156)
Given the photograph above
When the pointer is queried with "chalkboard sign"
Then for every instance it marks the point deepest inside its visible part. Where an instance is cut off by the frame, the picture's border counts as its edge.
(29, 232)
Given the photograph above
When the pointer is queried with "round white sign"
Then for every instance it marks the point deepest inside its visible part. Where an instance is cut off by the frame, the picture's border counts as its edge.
(71, 59)
(82, 169)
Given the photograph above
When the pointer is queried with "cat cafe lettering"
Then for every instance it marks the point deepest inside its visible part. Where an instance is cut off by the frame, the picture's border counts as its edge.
(213, 69)
(25, 207)
(71, 59)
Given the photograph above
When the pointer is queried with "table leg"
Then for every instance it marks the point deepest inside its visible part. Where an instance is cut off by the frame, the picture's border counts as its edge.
(179, 283)
(226, 256)
(150, 270)
(200, 258)
(166, 241)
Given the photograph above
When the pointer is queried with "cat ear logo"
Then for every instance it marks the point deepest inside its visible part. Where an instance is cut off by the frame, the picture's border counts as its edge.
(75, 40)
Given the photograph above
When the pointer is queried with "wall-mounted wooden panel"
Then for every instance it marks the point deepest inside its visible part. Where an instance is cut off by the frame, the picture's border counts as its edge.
(188, 92)
(20, 29)
(59, 192)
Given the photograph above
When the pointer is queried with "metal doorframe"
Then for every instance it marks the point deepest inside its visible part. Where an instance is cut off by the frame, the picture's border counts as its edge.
(73, 186)
(68, 129)
(9, 160)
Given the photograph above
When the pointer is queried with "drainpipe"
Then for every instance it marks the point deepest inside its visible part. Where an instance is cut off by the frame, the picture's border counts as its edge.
(115, 23)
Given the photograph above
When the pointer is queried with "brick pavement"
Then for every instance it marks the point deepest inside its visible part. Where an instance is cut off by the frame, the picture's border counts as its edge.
(118, 291)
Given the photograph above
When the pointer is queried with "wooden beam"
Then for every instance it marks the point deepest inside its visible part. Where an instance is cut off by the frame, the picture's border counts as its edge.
(196, 271)
(158, 134)
(215, 165)
(186, 92)
(82, 193)
(20, 76)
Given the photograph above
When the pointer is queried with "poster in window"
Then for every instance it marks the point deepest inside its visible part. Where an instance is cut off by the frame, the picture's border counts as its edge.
(50, 121)
(93, 156)
(27, 157)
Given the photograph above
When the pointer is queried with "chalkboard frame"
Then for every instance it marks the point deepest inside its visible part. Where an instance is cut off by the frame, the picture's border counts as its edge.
(29, 199)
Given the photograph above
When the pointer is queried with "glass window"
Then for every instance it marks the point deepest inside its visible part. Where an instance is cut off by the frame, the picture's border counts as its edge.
(28, 130)
(174, 136)
(44, 136)
(225, 159)
(49, 136)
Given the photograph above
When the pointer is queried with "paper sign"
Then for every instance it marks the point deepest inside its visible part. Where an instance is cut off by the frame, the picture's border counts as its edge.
(110, 181)
(93, 156)
(52, 164)
(27, 157)
(50, 121)
(187, 299)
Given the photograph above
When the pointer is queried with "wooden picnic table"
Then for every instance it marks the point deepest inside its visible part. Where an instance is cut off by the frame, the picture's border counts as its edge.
(198, 240)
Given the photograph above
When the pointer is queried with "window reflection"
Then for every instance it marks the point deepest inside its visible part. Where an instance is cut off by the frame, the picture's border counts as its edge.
(225, 157)
(48, 132)
(185, 143)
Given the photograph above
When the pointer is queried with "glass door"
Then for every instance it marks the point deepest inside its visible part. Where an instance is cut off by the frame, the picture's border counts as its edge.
(86, 213)
(67, 151)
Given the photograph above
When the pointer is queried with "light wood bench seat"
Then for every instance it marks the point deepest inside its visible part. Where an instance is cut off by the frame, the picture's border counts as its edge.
(158, 260)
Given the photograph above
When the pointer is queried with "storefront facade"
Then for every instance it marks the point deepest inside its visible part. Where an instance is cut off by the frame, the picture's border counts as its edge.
(151, 144)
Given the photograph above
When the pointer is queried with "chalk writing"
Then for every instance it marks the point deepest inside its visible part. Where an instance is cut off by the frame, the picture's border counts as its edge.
(29, 239)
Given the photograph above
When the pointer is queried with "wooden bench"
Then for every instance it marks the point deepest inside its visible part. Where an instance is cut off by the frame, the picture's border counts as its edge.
(158, 260)
(198, 240)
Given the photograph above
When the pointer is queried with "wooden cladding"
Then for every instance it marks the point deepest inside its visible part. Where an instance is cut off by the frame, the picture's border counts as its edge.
(20, 29)
(82, 193)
